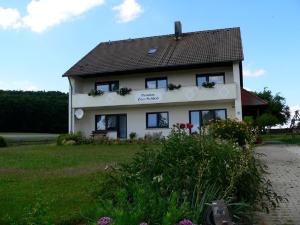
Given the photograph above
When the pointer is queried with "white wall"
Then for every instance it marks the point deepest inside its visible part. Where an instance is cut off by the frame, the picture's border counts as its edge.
(137, 81)
(136, 117)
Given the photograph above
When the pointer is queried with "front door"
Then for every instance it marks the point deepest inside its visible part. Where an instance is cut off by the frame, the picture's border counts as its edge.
(122, 126)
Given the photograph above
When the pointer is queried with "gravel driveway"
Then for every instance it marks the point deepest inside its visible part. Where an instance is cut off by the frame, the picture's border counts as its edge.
(284, 168)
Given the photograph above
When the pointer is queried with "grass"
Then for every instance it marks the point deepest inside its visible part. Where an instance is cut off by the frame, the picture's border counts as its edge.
(62, 177)
(28, 138)
(286, 138)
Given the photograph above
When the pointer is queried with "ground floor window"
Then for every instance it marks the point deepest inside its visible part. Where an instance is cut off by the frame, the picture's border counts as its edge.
(202, 117)
(113, 122)
(157, 120)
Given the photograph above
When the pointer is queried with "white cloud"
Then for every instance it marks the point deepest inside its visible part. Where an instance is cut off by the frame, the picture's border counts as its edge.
(128, 11)
(43, 14)
(9, 18)
(254, 73)
(24, 85)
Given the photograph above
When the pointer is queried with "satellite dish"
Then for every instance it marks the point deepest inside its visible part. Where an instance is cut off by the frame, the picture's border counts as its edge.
(79, 113)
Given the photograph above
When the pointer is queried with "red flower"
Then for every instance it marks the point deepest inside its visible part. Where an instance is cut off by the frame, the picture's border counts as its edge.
(189, 125)
(182, 126)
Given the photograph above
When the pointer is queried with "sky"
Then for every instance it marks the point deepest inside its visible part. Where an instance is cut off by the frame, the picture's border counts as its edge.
(41, 39)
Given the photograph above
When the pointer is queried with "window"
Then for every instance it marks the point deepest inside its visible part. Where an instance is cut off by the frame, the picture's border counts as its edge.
(157, 120)
(101, 122)
(153, 83)
(106, 122)
(216, 78)
(107, 86)
(202, 117)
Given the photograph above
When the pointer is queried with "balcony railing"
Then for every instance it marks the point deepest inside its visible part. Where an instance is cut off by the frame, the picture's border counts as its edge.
(220, 92)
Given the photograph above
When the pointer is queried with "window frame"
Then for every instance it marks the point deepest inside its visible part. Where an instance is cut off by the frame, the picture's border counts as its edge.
(207, 75)
(109, 83)
(156, 79)
(200, 115)
(157, 124)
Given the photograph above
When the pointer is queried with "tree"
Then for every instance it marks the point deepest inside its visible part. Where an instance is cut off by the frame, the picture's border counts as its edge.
(30, 111)
(277, 112)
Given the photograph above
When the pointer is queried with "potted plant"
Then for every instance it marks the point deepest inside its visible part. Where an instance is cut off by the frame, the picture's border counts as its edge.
(124, 91)
(94, 92)
(172, 87)
(208, 84)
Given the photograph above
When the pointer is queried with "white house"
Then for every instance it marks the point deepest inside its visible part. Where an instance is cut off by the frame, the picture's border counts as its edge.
(148, 66)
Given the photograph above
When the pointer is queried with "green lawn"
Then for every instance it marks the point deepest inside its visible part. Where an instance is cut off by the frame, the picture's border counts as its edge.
(63, 177)
(286, 138)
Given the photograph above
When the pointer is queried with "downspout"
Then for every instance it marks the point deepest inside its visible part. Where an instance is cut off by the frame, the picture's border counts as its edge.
(70, 106)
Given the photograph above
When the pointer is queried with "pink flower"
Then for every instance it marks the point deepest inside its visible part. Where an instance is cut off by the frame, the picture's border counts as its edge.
(186, 222)
(104, 221)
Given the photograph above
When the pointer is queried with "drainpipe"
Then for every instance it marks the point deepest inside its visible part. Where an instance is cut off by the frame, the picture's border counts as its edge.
(71, 119)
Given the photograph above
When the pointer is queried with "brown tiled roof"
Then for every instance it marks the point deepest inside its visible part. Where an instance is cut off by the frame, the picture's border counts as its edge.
(250, 99)
(195, 48)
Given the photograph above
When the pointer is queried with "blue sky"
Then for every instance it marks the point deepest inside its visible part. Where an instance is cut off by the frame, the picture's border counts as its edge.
(41, 39)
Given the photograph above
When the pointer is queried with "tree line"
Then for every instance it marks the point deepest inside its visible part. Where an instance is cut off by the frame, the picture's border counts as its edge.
(29, 111)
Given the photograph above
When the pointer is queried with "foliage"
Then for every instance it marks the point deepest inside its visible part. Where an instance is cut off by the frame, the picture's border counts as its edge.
(208, 84)
(2, 142)
(190, 171)
(276, 106)
(71, 139)
(172, 87)
(154, 136)
(94, 92)
(249, 120)
(238, 132)
(29, 111)
(132, 135)
(266, 119)
(124, 91)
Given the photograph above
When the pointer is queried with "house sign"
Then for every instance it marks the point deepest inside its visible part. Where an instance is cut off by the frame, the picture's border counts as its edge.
(148, 97)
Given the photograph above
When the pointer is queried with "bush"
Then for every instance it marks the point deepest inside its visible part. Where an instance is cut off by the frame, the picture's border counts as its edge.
(2, 142)
(71, 139)
(236, 131)
(132, 135)
(176, 180)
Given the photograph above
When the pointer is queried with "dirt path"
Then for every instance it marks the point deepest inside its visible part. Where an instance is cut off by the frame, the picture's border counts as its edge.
(284, 168)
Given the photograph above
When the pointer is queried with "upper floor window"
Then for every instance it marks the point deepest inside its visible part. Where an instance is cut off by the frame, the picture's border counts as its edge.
(153, 83)
(157, 120)
(107, 86)
(217, 78)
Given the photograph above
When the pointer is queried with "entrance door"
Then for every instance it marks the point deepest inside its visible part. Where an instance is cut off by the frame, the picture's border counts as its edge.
(122, 126)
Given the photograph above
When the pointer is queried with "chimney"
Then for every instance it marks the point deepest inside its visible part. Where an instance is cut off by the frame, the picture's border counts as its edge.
(178, 30)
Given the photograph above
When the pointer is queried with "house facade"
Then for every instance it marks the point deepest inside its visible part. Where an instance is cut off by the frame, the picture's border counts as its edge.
(191, 77)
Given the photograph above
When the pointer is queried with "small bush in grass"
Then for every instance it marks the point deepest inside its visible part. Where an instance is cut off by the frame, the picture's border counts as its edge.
(72, 138)
(2, 142)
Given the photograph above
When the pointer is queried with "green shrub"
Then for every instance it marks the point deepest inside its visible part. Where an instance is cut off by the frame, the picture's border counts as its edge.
(196, 169)
(2, 142)
(132, 135)
(236, 131)
(71, 139)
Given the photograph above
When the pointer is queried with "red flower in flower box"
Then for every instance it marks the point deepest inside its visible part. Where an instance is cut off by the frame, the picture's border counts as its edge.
(182, 126)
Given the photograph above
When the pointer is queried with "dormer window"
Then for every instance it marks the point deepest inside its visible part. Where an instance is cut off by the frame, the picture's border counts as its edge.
(152, 51)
